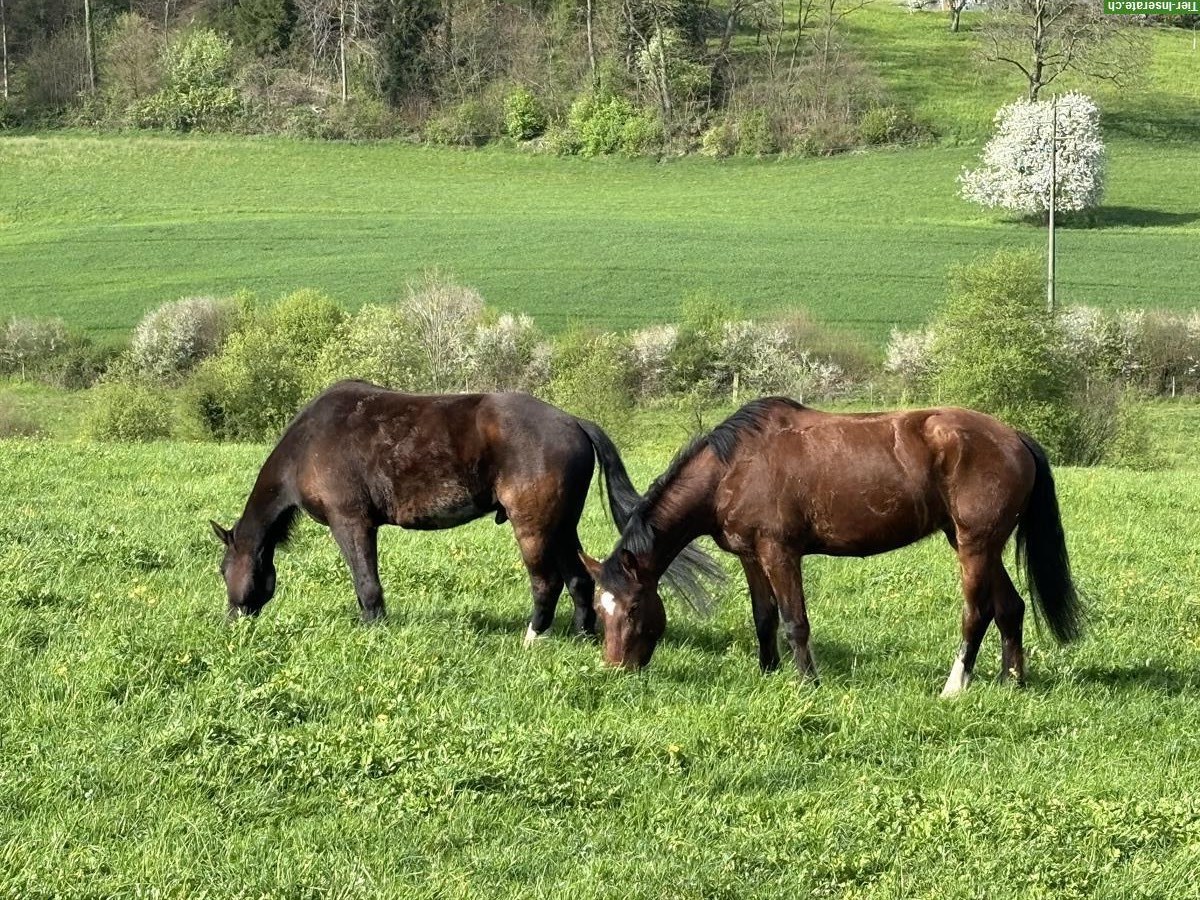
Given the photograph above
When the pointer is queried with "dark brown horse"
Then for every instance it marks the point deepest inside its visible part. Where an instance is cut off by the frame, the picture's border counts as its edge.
(776, 481)
(359, 456)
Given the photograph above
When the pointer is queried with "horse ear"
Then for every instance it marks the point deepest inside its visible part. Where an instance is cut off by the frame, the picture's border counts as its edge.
(592, 566)
(628, 562)
(225, 537)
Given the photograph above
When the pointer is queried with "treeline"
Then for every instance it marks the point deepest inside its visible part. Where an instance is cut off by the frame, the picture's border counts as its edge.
(579, 76)
(233, 369)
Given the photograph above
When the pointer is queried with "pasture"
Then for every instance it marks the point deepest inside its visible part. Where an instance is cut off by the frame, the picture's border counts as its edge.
(100, 229)
(146, 749)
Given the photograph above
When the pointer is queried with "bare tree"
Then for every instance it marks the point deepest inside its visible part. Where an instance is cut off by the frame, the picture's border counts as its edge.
(1045, 38)
(956, 8)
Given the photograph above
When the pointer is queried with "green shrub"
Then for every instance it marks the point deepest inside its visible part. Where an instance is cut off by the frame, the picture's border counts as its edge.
(471, 123)
(376, 344)
(693, 358)
(524, 115)
(719, 141)
(507, 355)
(591, 377)
(887, 125)
(122, 411)
(756, 135)
(197, 94)
(604, 124)
(997, 349)
(261, 377)
(562, 141)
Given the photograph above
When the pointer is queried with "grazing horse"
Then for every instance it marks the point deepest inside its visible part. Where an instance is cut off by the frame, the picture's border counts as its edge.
(359, 456)
(776, 481)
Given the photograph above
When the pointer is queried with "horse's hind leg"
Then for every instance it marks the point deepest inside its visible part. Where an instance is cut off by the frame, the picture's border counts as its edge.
(766, 615)
(579, 583)
(782, 569)
(1010, 620)
(977, 567)
(545, 581)
(358, 541)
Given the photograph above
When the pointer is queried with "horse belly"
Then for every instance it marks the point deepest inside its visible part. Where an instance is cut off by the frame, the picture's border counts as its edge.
(871, 524)
(443, 506)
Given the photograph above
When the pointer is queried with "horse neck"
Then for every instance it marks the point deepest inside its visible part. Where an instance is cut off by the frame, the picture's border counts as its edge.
(267, 517)
(682, 512)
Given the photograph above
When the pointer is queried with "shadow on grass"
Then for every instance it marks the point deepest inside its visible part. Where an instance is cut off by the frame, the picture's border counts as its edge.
(1139, 677)
(1129, 217)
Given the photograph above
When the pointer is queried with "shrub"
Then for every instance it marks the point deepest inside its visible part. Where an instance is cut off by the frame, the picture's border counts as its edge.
(443, 317)
(719, 141)
(79, 364)
(506, 355)
(253, 387)
(694, 353)
(604, 124)
(377, 345)
(590, 376)
(471, 123)
(1098, 345)
(128, 412)
(197, 94)
(1167, 348)
(650, 351)
(27, 344)
(172, 339)
(887, 125)
(756, 135)
(760, 358)
(997, 349)
(524, 115)
(909, 356)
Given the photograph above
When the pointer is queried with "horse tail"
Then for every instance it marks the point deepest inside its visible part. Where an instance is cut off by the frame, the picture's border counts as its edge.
(623, 497)
(692, 567)
(1042, 547)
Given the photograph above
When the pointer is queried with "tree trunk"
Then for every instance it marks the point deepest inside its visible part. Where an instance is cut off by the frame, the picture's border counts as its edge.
(955, 16)
(342, 50)
(90, 40)
(591, 47)
(4, 49)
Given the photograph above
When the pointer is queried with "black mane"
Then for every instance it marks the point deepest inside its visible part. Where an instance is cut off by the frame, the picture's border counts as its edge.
(684, 575)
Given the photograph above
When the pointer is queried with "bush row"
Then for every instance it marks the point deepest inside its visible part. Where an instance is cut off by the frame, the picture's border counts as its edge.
(231, 369)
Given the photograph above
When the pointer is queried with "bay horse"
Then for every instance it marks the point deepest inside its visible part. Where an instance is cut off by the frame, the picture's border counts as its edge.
(359, 456)
(777, 480)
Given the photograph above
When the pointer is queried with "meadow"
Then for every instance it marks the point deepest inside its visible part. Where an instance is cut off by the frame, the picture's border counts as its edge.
(147, 749)
(100, 229)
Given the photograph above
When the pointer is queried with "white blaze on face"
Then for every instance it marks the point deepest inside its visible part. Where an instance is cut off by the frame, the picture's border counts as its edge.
(608, 603)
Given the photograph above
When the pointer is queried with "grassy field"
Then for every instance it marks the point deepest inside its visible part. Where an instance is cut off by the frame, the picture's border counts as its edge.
(146, 749)
(98, 230)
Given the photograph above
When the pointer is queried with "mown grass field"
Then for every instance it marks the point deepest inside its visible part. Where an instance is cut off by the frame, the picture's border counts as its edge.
(147, 749)
(100, 229)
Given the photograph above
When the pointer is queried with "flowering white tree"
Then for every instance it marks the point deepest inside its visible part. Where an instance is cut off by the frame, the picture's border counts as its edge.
(1016, 162)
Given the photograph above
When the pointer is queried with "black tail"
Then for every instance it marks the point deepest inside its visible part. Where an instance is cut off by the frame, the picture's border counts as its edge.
(691, 567)
(1043, 548)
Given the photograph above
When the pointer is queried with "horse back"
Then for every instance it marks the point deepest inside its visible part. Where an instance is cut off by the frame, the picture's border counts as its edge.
(421, 460)
(860, 484)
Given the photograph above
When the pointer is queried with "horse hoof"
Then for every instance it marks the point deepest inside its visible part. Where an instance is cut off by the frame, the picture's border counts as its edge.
(532, 637)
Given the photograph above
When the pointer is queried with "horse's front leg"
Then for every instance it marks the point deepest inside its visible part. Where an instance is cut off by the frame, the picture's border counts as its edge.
(358, 541)
(782, 568)
(766, 615)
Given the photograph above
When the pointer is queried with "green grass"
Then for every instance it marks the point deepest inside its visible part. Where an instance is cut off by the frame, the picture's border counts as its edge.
(145, 746)
(101, 229)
